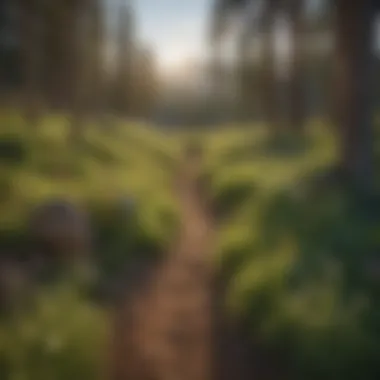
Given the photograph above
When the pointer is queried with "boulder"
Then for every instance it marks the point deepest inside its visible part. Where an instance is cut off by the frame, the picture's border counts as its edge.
(62, 228)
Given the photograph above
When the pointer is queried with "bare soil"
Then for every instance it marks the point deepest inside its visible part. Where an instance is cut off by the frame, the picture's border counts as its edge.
(174, 326)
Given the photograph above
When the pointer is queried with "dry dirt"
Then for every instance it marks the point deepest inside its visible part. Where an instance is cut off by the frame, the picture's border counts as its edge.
(173, 327)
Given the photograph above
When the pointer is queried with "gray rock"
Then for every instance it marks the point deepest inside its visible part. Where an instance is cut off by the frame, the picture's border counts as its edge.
(62, 226)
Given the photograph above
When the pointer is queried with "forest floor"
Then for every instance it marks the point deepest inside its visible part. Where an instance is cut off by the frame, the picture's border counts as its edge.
(170, 317)
(174, 327)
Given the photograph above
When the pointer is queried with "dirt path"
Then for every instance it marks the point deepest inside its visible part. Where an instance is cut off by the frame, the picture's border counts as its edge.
(175, 326)
(164, 332)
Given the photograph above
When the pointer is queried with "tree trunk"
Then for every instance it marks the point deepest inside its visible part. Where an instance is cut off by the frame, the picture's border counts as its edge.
(57, 71)
(217, 77)
(31, 25)
(353, 86)
(96, 78)
(268, 77)
(75, 42)
(297, 112)
(243, 101)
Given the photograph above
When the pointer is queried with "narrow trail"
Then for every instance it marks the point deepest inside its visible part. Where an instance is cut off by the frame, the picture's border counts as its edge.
(174, 326)
(164, 331)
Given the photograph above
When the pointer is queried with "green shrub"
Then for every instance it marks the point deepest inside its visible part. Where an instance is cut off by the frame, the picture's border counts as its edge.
(13, 150)
(62, 337)
(294, 259)
(6, 188)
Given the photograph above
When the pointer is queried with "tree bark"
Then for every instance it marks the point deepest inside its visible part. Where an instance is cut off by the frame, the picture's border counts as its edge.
(76, 65)
(297, 112)
(268, 76)
(244, 70)
(31, 59)
(96, 78)
(354, 90)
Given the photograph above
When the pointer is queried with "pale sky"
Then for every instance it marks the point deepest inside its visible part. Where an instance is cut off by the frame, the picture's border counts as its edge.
(176, 29)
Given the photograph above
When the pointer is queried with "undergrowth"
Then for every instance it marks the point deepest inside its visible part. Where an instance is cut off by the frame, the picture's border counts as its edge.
(296, 257)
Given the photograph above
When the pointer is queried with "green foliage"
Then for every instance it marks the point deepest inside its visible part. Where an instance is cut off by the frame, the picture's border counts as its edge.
(295, 257)
(230, 193)
(12, 150)
(62, 336)
(132, 162)
(6, 187)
